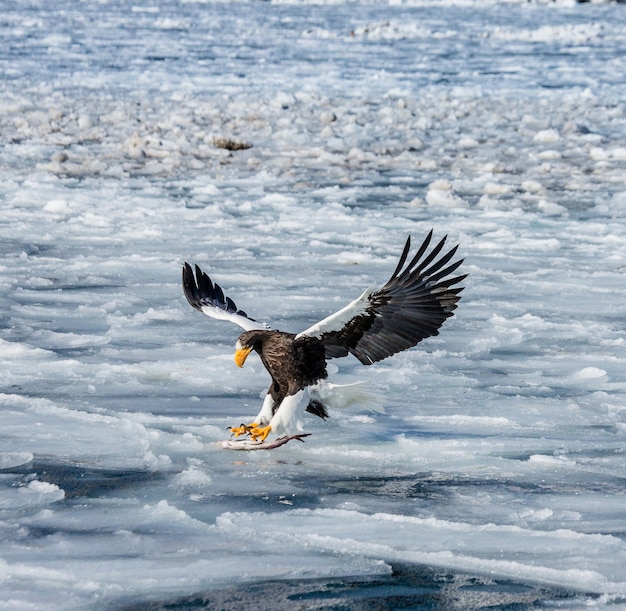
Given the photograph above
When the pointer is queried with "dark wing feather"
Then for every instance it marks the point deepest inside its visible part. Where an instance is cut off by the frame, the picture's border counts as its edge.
(209, 298)
(411, 306)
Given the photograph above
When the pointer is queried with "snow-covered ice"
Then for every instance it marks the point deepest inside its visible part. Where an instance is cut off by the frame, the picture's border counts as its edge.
(289, 148)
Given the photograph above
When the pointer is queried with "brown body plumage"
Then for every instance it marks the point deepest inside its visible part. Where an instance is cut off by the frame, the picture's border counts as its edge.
(292, 363)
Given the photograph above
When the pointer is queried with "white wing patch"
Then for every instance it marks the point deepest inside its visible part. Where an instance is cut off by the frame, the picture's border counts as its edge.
(242, 321)
(336, 321)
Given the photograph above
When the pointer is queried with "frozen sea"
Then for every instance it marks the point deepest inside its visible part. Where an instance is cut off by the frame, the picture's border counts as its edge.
(496, 478)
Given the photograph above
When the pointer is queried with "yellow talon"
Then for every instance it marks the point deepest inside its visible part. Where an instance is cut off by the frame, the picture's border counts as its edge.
(244, 429)
(260, 432)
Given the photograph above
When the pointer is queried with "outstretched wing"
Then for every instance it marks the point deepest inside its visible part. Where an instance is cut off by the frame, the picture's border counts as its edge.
(209, 298)
(412, 305)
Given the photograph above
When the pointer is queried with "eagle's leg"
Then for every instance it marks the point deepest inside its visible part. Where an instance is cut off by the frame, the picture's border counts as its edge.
(286, 420)
(263, 418)
(267, 411)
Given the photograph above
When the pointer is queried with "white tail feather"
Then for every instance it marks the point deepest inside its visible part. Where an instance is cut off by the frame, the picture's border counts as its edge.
(341, 396)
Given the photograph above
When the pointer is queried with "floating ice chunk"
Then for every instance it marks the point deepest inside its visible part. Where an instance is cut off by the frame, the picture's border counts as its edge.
(428, 164)
(14, 459)
(192, 478)
(57, 205)
(598, 154)
(57, 40)
(152, 314)
(532, 186)
(591, 378)
(441, 193)
(43, 492)
(417, 202)
(283, 99)
(53, 340)
(482, 344)
(205, 189)
(14, 351)
(167, 23)
(166, 512)
(441, 185)
(550, 208)
(85, 121)
(512, 331)
(490, 203)
(357, 154)
(536, 515)
(550, 461)
(619, 153)
(547, 136)
(589, 373)
(468, 143)
(550, 155)
(494, 188)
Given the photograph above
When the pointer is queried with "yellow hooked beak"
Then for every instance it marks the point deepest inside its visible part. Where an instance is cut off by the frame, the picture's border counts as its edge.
(241, 354)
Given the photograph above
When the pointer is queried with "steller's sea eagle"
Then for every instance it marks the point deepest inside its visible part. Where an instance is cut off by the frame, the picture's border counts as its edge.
(411, 306)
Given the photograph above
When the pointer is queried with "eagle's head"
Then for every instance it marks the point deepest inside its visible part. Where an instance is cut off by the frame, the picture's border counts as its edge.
(246, 343)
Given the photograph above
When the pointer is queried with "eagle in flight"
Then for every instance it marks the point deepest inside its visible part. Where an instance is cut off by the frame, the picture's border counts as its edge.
(411, 306)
